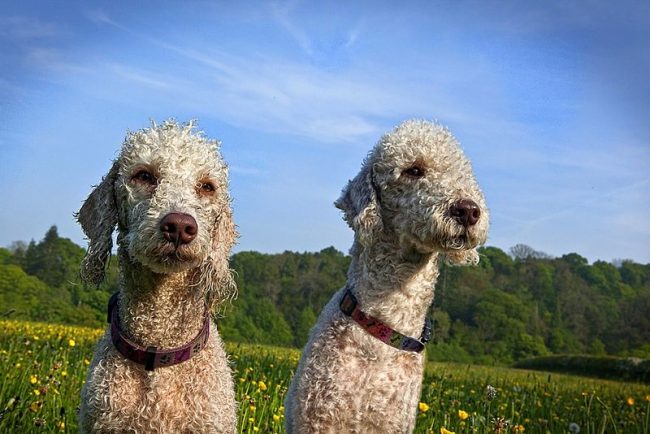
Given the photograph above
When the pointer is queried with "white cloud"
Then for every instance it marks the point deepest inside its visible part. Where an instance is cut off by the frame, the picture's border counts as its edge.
(138, 76)
(98, 16)
(20, 27)
(281, 14)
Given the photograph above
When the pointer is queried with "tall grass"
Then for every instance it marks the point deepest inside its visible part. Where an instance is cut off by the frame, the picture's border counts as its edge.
(43, 366)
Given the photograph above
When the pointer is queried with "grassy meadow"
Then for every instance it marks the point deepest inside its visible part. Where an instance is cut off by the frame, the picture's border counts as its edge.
(42, 368)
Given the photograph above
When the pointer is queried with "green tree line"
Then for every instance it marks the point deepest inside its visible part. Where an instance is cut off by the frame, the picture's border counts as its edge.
(510, 307)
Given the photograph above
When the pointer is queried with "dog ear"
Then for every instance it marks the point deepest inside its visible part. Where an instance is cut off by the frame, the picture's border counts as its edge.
(215, 273)
(98, 217)
(462, 257)
(360, 205)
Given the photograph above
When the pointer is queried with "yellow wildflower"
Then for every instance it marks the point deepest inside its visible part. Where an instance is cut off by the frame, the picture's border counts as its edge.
(261, 385)
(86, 362)
(71, 342)
(37, 392)
(251, 419)
(276, 418)
(256, 429)
(252, 408)
(462, 414)
(444, 430)
(647, 398)
(423, 407)
(518, 429)
(242, 379)
(61, 425)
(281, 409)
(33, 379)
(64, 373)
(630, 400)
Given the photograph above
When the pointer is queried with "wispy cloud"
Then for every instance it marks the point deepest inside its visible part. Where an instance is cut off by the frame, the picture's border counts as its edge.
(20, 27)
(52, 60)
(139, 76)
(354, 33)
(99, 16)
(281, 12)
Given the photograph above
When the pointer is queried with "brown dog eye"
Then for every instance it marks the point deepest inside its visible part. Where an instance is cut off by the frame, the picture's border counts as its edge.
(207, 187)
(144, 177)
(414, 171)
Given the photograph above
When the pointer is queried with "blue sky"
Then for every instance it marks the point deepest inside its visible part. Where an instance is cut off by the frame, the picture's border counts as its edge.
(550, 100)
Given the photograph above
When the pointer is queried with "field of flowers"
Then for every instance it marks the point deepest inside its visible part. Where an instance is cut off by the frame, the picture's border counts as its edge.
(42, 368)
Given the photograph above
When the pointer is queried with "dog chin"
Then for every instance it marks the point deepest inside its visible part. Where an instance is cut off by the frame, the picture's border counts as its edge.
(168, 261)
(451, 243)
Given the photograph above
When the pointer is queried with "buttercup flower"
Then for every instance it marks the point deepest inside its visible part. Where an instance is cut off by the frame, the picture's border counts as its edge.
(444, 430)
(423, 407)
(462, 414)
(630, 400)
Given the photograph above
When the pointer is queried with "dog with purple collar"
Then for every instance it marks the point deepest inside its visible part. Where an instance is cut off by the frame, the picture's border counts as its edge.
(161, 366)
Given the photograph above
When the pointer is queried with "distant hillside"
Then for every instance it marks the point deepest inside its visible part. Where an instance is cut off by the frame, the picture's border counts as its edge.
(506, 309)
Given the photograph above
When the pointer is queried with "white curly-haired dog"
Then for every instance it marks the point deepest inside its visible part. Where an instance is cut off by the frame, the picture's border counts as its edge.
(414, 199)
(161, 366)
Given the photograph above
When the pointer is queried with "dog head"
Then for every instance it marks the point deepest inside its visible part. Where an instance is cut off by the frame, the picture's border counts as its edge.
(417, 184)
(167, 193)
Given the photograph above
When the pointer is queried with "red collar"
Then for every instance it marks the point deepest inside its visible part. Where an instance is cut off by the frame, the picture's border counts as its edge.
(152, 357)
(349, 306)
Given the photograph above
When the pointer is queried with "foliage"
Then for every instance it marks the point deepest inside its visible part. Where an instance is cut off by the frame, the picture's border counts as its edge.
(627, 368)
(43, 366)
(506, 309)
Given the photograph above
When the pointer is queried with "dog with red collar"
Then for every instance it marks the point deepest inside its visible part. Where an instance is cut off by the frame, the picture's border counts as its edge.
(414, 202)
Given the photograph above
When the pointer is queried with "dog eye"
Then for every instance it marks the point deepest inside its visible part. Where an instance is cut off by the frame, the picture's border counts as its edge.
(144, 177)
(207, 187)
(414, 171)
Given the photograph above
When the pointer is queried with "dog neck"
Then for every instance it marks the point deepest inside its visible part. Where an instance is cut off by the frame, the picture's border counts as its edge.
(394, 285)
(162, 310)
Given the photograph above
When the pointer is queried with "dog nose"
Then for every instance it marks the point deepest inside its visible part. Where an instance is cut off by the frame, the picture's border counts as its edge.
(178, 228)
(466, 212)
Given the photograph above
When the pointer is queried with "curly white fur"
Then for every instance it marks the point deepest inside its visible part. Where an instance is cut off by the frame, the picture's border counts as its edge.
(166, 289)
(347, 380)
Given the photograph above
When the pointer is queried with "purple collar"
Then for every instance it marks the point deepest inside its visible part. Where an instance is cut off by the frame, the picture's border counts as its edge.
(152, 357)
(350, 307)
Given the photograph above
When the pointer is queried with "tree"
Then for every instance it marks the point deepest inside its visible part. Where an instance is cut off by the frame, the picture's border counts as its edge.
(306, 321)
(54, 260)
(523, 252)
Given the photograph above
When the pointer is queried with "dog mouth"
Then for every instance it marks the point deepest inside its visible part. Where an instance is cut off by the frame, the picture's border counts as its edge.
(460, 242)
(176, 254)
(166, 256)
(447, 241)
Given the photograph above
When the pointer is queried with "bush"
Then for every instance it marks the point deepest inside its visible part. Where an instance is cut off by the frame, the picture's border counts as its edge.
(624, 368)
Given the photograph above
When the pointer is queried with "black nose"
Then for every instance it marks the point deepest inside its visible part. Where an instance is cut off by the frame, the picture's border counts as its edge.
(466, 212)
(178, 228)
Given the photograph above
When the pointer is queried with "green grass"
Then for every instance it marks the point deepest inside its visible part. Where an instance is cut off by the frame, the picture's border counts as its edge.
(43, 366)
